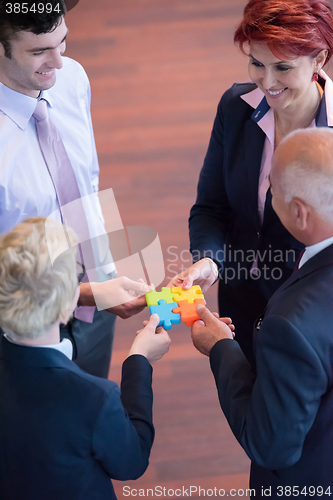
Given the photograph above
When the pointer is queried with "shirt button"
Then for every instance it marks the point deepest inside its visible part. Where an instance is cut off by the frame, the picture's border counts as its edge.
(258, 235)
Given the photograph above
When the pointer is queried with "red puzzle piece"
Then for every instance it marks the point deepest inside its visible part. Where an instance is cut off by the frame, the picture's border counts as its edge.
(188, 311)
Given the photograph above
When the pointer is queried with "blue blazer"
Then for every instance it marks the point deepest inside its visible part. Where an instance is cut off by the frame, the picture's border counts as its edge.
(64, 433)
(225, 220)
(281, 412)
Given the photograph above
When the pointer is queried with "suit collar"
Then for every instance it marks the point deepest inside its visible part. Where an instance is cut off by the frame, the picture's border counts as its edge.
(257, 100)
(320, 260)
(36, 356)
(19, 107)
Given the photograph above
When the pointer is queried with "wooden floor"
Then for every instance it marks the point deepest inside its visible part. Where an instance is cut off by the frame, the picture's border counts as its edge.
(158, 69)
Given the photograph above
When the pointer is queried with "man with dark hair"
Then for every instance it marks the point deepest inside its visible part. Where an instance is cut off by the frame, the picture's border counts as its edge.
(48, 156)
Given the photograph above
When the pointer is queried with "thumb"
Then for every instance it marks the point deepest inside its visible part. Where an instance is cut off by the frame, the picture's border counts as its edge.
(207, 317)
(153, 321)
(137, 286)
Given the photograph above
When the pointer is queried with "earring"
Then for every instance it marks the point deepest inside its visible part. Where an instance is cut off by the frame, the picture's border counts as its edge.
(315, 77)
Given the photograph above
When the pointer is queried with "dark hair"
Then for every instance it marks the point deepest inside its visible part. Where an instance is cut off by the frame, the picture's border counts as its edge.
(290, 28)
(28, 15)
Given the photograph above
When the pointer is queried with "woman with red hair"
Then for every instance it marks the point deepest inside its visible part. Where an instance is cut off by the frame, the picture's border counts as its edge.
(235, 234)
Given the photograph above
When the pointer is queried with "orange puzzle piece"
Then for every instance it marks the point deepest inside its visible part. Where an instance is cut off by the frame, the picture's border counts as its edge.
(188, 311)
(189, 295)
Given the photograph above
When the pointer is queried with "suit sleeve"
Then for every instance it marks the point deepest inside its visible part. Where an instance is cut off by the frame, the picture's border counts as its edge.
(270, 414)
(209, 216)
(124, 433)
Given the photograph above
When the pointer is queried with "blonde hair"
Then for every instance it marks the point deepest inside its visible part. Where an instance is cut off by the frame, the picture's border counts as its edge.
(34, 291)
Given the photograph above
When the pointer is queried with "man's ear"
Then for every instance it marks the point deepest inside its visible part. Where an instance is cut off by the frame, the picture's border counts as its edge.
(2, 50)
(300, 213)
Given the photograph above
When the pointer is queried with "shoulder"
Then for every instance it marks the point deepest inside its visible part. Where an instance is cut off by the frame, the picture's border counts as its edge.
(71, 68)
(89, 384)
(235, 92)
(71, 76)
(305, 306)
(232, 107)
(72, 85)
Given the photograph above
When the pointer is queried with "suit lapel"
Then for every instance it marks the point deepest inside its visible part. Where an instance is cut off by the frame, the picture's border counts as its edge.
(320, 260)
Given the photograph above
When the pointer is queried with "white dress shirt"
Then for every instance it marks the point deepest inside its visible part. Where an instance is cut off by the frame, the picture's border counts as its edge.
(312, 250)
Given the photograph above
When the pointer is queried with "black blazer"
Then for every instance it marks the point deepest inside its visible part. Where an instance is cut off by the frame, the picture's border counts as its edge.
(65, 433)
(281, 413)
(224, 222)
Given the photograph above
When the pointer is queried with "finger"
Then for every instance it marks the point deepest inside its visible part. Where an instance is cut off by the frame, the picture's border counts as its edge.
(137, 286)
(216, 315)
(166, 337)
(205, 314)
(154, 321)
(227, 321)
(152, 286)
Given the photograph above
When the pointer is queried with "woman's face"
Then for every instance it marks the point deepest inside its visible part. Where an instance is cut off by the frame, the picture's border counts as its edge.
(285, 83)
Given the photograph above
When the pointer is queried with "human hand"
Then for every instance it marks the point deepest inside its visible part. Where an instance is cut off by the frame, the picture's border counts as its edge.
(152, 341)
(210, 330)
(201, 273)
(121, 296)
(226, 321)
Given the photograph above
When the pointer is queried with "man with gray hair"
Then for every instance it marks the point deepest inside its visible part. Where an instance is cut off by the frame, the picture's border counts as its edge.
(280, 410)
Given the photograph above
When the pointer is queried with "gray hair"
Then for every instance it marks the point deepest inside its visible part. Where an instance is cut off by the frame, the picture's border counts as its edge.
(34, 291)
(309, 174)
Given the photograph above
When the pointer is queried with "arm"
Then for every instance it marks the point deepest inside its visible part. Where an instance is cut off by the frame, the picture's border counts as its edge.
(120, 296)
(271, 414)
(124, 431)
(209, 216)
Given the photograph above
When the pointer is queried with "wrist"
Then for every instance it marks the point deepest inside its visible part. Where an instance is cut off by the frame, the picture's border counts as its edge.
(86, 297)
(213, 266)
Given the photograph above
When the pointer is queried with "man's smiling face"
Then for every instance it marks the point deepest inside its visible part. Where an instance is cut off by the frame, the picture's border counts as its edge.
(34, 59)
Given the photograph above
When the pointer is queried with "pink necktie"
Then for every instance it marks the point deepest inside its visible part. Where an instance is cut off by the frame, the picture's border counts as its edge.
(67, 189)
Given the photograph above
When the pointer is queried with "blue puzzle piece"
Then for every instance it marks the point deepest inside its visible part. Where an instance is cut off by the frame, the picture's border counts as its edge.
(164, 311)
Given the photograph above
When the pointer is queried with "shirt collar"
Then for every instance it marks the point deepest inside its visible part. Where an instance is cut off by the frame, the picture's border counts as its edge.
(257, 100)
(65, 346)
(19, 107)
(312, 250)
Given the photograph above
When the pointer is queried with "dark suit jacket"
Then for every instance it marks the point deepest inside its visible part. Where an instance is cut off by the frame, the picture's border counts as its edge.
(64, 433)
(224, 222)
(282, 415)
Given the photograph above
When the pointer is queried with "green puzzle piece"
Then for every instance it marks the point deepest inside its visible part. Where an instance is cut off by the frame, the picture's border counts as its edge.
(153, 297)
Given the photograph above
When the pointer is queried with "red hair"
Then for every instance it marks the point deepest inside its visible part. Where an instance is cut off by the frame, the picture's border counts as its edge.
(290, 28)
